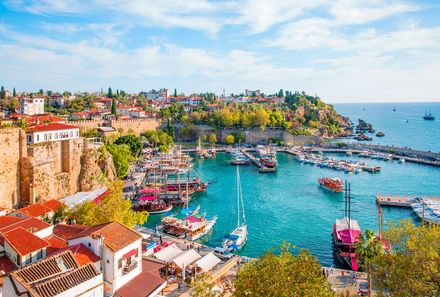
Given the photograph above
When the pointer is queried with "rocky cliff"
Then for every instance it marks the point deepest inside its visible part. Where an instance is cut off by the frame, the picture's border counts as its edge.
(96, 170)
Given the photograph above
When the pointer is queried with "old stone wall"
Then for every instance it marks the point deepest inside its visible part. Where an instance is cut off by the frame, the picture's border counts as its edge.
(137, 125)
(51, 170)
(87, 125)
(12, 149)
(255, 136)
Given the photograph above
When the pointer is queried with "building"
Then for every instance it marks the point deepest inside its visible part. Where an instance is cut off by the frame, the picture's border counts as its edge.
(252, 93)
(31, 106)
(39, 210)
(58, 275)
(103, 103)
(119, 248)
(51, 132)
(161, 94)
(130, 111)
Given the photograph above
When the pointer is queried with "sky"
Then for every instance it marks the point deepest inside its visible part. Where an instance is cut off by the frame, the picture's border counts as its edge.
(341, 50)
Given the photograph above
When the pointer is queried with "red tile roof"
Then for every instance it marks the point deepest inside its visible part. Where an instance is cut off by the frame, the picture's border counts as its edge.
(145, 283)
(56, 244)
(116, 235)
(50, 127)
(43, 118)
(24, 242)
(9, 220)
(67, 232)
(82, 254)
(53, 204)
(6, 265)
(31, 224)
(35, 210)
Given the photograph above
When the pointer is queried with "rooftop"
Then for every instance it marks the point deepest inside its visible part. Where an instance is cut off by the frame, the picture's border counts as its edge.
(67, 232)
(82, 254)
(50, 127)
(53, 275)
(30, 224)
(116, 235)
(24, 242)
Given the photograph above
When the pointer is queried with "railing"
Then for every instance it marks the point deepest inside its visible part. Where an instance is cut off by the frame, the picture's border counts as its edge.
(128, 268)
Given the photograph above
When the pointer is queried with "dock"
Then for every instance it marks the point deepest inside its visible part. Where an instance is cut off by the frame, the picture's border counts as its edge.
(394, 200)
(262, 168)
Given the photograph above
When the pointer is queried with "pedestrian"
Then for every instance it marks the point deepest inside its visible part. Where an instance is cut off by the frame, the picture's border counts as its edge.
(198, 248)
(160, 239)
(354, 277)
(178, 287)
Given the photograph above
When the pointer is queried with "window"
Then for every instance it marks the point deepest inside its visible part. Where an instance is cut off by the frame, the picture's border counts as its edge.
(18, 260)
(45, 136)
(40, 254)
(120, 263)
(56, 135)
(29, 138)
(89, 245)
(76, 133)
(70, 134)
(29, 259)
(38, 137)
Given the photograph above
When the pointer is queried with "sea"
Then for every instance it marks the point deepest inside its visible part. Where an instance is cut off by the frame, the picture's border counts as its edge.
(289, 206)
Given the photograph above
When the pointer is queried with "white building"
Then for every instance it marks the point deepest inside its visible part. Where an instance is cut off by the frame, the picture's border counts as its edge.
(250, 93)
(59, 275)
(161, 94)
(119, 248)
(51, 132)
(31, 106)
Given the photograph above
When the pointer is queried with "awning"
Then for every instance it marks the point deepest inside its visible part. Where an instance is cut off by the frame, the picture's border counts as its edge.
(207, 262)
(147, 198)
(186, 258)
(168, 253)
(130, 253)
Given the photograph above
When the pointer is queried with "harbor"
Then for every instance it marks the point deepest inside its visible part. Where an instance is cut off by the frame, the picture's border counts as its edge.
(292, 192)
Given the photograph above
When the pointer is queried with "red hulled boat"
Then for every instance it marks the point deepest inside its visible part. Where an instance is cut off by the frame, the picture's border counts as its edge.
(333, 184)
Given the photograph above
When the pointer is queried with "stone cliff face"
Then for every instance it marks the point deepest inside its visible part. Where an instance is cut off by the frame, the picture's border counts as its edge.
(96, 170)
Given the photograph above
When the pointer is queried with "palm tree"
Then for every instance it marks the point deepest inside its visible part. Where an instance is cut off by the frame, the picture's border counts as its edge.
(368, 248)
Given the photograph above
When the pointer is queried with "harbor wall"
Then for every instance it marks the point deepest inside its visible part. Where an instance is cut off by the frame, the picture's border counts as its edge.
(138, 126)
(87, 125)
(255, 136)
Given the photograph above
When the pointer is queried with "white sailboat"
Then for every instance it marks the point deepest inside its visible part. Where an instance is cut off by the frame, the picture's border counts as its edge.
(237, 238)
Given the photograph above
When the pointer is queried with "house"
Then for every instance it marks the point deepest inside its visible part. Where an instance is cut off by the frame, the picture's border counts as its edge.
(161, 95)
(102, 103)
(252, 93)
(119, 248)
(80, 115)
(130, 111)
(39, 210)
(31, 106)
(57, 100)
(58, 275)
(23, 247)
(51, 132)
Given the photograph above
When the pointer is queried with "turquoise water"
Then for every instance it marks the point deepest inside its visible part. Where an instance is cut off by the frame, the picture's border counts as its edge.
(416, 133)
(289, 205)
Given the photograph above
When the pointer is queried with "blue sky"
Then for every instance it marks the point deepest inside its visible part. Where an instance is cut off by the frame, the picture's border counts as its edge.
(342, 50)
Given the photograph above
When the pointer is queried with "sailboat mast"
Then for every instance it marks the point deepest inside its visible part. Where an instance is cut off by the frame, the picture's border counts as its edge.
(238, 197)
(349, 206)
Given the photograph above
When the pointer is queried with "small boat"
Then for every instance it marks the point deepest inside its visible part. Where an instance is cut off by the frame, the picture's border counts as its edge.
(402, 160)
(394, 108)
(152, 205)
(380, 134)
(267, 157)
(332, 184)
(428, 116)
(235, 240)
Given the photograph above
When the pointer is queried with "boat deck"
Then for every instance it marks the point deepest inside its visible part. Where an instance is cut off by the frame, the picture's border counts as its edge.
(394, 200)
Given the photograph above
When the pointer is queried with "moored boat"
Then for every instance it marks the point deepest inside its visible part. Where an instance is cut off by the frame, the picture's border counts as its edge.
(332, 184)
(235, 240)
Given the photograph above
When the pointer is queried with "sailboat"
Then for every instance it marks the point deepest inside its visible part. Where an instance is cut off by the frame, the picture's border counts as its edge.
(346, 233)
(235, 240)
(428, 116)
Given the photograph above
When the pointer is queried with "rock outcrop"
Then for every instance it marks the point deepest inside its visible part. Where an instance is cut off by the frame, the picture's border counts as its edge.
(90, 177)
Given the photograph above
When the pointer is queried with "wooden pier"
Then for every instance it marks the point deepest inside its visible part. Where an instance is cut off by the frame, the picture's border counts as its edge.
(262, 168)
(394, 200)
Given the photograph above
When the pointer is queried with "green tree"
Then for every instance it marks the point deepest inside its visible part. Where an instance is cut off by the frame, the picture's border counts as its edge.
(2, 93)
(14, 93)
(22, 123)
(212, 138)
(133, 143)
(281, 93)
(109, 92)
(283, 275)
(230, 139)
(114, 110)
(413, 266)
(175, 92)
(202, 286)
(121, 158)
(112, 207)
(203, 138)
(368, 248)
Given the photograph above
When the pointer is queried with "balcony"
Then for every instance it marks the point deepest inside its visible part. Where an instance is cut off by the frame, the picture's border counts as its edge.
(129, 267)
